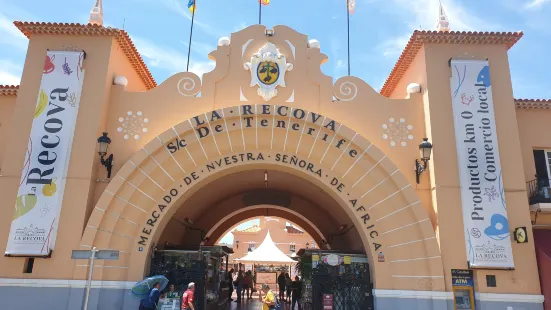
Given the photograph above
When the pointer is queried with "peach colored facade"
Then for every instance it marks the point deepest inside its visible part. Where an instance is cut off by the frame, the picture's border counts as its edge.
(288, 239)
(217, 180)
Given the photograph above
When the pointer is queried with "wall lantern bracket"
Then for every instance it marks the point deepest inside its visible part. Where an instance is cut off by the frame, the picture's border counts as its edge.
(425, 149)
(103, 145)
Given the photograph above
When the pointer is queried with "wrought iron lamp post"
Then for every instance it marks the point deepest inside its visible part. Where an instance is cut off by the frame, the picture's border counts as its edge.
(425, 149)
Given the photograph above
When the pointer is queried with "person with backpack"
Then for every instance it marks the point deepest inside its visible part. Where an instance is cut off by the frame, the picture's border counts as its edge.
(269, 301)
(152, 300)
(188, 297)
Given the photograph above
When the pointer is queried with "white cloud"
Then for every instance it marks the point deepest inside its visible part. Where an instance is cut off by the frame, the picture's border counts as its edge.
(10, 35)
(242, 25)
(176, 6)
(169, 59)
(339, 65)
(537, 3)
(10, 73)
(424, 13)
(200, 47)
(394, 46)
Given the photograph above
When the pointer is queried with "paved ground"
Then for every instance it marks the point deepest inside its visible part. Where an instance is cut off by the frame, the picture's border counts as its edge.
(253, 304)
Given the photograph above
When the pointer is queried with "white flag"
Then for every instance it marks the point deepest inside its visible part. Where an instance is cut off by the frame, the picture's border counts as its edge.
(351, 5)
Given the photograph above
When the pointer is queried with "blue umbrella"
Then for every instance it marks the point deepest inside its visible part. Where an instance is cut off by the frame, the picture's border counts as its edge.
(141, 289)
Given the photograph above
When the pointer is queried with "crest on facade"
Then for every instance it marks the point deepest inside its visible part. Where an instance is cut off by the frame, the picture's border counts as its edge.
(268, 67)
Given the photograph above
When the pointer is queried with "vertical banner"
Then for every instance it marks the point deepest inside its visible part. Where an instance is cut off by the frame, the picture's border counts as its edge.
(482, 195)
(39, 199)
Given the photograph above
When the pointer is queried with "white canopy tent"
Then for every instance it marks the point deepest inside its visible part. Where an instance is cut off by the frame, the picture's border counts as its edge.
(267, 253)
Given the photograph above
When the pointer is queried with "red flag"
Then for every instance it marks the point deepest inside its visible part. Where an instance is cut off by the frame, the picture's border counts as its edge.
(264, 2)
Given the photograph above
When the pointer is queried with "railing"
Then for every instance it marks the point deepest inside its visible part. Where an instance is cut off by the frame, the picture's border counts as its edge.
(539, 191)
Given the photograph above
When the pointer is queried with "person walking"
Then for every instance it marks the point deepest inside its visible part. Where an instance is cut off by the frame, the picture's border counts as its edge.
(189, 297)
(239, 285)
(152, 300)
(281, 285)
(296, 294)
(288, 283)
(230, 282)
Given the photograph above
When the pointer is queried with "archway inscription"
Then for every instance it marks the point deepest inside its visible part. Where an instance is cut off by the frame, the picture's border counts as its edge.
(368, 186)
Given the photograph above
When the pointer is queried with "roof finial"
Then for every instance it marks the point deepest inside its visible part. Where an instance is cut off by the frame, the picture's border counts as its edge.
(96, 15)
(443, 24)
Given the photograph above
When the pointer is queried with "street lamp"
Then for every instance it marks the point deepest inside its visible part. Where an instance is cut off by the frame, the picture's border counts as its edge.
(103, 145)
(425, 149)
(307, 245)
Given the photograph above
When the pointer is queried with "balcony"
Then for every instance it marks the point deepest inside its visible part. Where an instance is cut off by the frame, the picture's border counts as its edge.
(539, 194)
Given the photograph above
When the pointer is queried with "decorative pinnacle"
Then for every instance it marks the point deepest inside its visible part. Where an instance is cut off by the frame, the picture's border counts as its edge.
(443, 24)
(96, 15)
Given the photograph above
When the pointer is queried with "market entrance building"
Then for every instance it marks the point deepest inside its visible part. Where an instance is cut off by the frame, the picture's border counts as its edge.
(267, 133)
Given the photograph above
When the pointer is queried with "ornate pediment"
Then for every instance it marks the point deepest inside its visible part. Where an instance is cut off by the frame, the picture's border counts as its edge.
(268, 67)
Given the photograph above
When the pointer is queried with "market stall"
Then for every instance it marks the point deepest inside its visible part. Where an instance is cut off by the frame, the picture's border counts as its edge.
(339, 281)
(205, 266)
(268, 263)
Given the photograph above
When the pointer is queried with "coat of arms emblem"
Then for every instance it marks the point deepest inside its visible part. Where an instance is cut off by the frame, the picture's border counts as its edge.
(268, 67)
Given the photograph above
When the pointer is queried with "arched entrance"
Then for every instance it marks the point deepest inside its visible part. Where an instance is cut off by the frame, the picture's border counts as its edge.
(366, 186)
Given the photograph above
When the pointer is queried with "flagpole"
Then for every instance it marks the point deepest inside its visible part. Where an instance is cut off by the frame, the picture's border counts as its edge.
(259, 12)
(191, 33)
(348, 31)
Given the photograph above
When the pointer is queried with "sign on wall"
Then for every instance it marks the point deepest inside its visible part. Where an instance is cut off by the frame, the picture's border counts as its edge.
(484, 209)
(38, 203)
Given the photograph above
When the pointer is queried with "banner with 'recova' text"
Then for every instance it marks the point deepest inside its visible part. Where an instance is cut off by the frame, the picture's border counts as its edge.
(39, 199)
(484, 210)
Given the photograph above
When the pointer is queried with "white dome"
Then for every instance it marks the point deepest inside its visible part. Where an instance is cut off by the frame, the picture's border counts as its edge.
(224, 41)
(120, 80)
(413, 88)
(313, 43)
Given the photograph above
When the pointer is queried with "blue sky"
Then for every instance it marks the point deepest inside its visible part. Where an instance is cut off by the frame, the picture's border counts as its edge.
(379, 31)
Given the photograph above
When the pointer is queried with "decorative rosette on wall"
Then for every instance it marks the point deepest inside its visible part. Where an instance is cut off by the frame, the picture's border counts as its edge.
(132, 125)
(398, 132)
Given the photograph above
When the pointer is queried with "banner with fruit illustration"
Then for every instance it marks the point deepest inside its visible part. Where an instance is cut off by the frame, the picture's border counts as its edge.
(39, 199)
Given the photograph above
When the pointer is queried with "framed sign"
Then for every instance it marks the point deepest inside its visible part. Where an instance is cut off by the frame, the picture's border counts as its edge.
(269, 278)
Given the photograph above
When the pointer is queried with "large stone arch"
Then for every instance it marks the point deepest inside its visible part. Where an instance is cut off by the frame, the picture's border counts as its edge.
(371, 190)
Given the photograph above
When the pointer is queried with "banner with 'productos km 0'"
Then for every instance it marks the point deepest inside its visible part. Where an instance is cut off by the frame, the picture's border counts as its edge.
(483, 199)
(40, 195)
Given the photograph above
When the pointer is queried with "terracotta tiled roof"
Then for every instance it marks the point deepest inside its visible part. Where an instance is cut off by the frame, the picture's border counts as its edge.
(9, 90)
(533, 104)
(121, 36)
(453, 37)
(293, 230)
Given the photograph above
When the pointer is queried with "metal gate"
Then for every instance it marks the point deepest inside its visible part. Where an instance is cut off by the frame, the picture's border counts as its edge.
(350, 286)
(181, 273)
